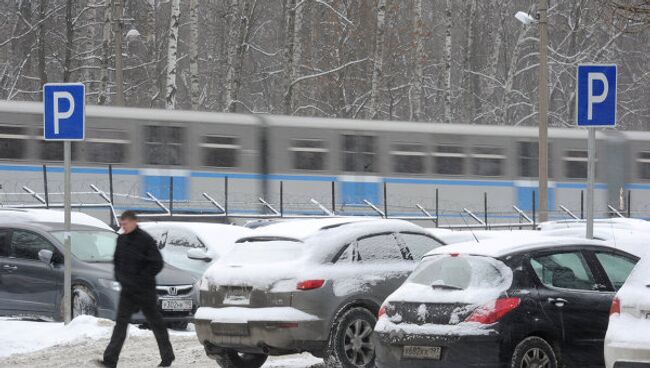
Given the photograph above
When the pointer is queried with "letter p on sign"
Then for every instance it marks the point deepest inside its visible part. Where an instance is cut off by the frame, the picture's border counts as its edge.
(596, 95)
(63, 111)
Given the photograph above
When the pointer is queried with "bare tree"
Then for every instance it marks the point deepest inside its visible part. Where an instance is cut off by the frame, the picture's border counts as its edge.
(419, 59)
(378, 60)
(448, 61)
(172, 50)
(194, 54)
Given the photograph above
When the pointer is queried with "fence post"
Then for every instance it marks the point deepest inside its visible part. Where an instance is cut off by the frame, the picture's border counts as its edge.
(385, 200)
(485, 209)
(437, 213)
(629, 203)
(225, 193)
(582, 204)
(281, 198)
(333, 197)
(534, 208)
(171, 196)
(110, 190)
(47, 197)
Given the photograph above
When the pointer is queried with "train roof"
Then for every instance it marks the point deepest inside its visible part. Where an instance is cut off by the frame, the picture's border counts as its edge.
(162, 115)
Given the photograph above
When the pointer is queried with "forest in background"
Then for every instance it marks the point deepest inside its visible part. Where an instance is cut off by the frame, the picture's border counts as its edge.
(445, 61)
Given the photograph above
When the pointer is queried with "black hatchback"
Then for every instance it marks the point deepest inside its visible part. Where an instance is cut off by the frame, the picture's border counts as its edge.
(525, 303)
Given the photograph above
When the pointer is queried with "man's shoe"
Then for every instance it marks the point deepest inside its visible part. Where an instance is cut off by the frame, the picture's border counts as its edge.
(166, 363)
(104, 364)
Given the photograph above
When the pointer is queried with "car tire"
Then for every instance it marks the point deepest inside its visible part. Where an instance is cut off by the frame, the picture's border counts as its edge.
(534, 352)
(83, 302)
(179, 326)
(234, 359)
(350, 345)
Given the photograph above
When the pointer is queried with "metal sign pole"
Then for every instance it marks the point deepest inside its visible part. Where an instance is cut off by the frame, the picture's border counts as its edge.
(591, 177)
(67, 272)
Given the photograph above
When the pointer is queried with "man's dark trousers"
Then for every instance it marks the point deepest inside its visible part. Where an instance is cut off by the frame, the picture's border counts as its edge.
(130, 303)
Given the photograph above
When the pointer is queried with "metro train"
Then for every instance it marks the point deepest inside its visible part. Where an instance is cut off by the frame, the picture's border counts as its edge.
(258, 152)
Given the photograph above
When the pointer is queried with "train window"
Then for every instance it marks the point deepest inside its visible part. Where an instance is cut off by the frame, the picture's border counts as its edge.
(528, 159)
(450, 160)
(359, 153)
(408, 158)
(220, 151)
(308, 154)
(164, 145)
(106, 146)
(53, 150)
(13, 142)
(643, 163)
(575, 164)
(487, 161)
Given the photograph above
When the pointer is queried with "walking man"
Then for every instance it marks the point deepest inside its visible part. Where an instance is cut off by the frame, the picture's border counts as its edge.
(137, 261)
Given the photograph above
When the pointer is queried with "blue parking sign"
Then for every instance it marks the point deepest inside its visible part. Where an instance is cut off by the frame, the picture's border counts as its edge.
(596, 95)
(64, 111)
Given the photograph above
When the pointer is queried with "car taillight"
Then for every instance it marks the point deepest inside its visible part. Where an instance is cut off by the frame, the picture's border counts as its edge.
(382, 312)
(489, 314)
(616, 306)
(310, 284)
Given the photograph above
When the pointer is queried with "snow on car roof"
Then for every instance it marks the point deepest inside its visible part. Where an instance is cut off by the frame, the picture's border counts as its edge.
(50, 216)
(632, 241)
(213, 235)
(505, 245)
(300, 229)
(617, 222)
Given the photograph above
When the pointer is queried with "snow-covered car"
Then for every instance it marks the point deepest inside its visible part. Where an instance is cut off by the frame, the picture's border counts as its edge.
(524, 302)
(627, 343)
(632, 241)
(306, 286)
(193, 246)
(615, 222)
(31, 271)
(462, 236)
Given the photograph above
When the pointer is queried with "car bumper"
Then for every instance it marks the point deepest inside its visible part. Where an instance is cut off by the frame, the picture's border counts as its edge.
(626, 356)
(456, 351)
(261, 337)
(109, 311)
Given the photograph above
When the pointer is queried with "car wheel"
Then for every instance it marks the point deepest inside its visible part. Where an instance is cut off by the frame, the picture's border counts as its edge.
(350, 345)
(534, 352)
(83, 302)
(234, 359)
(179, 326)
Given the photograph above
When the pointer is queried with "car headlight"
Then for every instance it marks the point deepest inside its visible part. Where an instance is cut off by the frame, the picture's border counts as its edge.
(110, 284)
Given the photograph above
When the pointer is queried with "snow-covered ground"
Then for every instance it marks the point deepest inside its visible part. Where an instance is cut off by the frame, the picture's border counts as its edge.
(49, 345)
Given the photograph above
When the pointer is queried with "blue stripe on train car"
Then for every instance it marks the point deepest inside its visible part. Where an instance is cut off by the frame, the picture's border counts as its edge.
(525, 198)
(354, 192)
(158, 186)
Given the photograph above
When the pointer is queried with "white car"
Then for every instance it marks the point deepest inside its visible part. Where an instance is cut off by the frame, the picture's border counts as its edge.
(627, 343)
(463, 236)
(633, 241)
(193, 246)
(616, 222)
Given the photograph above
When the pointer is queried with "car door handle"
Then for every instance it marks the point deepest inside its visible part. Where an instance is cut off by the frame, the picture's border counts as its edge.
(558, 302)
(9, 268)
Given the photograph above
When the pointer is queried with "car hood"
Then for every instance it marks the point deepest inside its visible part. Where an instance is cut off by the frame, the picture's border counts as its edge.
(169, 275)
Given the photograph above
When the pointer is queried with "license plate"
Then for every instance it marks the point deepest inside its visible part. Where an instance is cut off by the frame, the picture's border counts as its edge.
(422, 352)
(230, 329)
(177, 304)
(238, 296)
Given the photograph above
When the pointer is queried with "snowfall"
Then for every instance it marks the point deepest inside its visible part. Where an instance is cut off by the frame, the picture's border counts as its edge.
(37, 344)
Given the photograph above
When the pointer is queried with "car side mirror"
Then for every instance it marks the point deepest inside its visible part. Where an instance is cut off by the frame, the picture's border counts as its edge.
(198, 255)
(45, 256)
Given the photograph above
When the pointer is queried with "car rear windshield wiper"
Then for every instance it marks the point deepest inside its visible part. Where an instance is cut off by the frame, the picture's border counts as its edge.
(446, 287)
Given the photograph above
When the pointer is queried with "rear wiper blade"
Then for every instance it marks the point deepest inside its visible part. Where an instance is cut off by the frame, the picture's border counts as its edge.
(446, 287)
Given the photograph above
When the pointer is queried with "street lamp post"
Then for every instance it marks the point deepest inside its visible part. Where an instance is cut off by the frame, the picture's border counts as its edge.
(542, 22)
(543, 110)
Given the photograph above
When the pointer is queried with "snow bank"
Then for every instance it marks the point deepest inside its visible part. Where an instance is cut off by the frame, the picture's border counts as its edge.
(244, 315)
(18, 336)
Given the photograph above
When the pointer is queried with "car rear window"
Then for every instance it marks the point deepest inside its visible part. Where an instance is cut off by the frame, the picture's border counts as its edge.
(264, 251)
(460, 272)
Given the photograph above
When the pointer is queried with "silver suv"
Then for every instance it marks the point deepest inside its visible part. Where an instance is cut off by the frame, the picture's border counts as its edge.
(306, 286)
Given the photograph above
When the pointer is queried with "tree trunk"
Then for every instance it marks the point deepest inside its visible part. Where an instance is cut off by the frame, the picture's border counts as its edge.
(447, 113)
(194, 54)
(289, 34)
(232, 79)
(42, 72)
(69, 40)
(172, 48)
(378, 61)
(106, 55)
(470, 80)
(419, 59)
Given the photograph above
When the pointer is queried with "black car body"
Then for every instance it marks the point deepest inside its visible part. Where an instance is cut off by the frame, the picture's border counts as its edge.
(31, 275)
(532, 302)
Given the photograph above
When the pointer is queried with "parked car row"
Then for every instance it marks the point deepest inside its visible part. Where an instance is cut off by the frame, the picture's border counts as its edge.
(360, 292)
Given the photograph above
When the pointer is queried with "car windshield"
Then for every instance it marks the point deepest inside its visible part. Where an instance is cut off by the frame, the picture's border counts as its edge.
(91, 245)
(459, 272)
